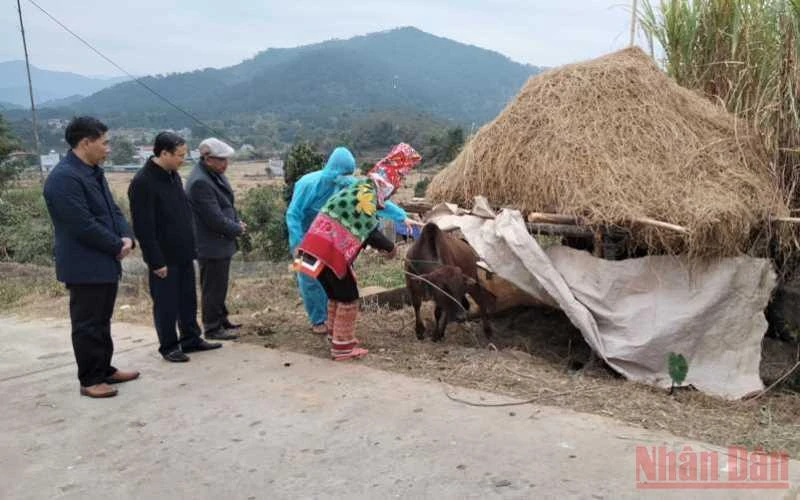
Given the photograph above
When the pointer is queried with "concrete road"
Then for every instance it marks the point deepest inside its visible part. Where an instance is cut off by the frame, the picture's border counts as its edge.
(245, 422)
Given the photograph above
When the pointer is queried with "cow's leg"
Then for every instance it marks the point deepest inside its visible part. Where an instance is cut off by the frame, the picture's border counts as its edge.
(487, 328)
(416, 301)
(481, 297)
(441, 324)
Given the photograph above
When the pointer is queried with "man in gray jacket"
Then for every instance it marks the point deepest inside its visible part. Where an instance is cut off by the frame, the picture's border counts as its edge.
(217, 226)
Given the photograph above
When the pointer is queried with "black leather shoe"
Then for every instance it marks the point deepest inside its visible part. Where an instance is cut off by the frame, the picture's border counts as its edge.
(220, 335)
(231, 326)
(176, 356)
(202, 346)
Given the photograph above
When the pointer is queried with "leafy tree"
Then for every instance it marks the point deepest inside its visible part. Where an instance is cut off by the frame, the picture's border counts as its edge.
(453, 144)
(7, 141)
(421, 187)
(301, 159)
(122, 151)
(443, 146)
(266, 236)
(25, 232)
(9, 168)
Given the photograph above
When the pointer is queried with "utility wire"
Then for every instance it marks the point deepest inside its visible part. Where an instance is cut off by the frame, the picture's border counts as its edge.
(134, 78)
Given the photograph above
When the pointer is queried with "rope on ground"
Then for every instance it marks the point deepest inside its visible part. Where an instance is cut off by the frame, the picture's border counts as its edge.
(492, 405)
(536, 399)
(523, 375)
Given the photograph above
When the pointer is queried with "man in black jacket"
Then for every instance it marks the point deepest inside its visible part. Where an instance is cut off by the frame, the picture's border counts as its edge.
(91, 238)
(162, 222)
(217, 226)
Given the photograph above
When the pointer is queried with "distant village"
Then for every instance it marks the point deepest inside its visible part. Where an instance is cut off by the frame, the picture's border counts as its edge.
(142, 141)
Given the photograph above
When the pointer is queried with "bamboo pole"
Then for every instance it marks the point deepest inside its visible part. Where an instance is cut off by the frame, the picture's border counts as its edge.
(553, 218)
(539, 217)
(657, 223)
(597, 251)
(419, 206)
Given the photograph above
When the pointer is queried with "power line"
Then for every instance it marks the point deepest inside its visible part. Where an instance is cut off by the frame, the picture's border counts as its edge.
(136, 79)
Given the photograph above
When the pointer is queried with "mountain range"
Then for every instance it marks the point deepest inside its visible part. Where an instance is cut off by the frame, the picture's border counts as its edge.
(320, 86)
(401, 68)
(49, 87)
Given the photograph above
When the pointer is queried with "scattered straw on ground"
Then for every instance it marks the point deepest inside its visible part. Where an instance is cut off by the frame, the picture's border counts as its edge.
(614, 139)
(537, 354)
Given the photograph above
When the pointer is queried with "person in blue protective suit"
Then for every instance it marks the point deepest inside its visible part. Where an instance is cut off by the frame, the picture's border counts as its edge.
(310, 193)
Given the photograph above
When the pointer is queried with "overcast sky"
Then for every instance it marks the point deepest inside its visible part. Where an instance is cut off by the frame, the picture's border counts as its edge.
(158, 36)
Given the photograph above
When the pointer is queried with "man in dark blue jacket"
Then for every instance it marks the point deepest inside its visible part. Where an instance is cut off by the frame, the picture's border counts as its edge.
(91, 238)
(162, 222)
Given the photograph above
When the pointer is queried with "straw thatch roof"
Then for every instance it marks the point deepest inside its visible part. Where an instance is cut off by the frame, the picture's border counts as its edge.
(614, 140)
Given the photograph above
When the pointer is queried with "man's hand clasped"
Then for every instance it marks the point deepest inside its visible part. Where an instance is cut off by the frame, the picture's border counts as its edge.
(127, 247)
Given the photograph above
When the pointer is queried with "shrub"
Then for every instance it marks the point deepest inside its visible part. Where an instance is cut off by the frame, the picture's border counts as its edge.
(25, 232)
(263, 210)
(301, 159)
(421, 186)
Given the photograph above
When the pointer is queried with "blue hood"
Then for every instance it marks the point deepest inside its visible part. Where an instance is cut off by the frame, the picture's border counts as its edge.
(341, 162)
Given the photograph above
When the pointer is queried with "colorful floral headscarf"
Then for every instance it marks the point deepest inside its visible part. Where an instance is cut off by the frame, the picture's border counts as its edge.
(388, 173)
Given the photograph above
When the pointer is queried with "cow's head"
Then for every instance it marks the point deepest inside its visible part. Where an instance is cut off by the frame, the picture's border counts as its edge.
(449, 290)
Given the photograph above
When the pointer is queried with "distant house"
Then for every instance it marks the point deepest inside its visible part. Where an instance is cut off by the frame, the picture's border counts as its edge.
(143, 152)
(57, 123)
(49, 161)
(275, 167)
(246, 152)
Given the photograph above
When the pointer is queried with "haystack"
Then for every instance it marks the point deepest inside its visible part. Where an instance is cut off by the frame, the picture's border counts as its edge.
(615, 140)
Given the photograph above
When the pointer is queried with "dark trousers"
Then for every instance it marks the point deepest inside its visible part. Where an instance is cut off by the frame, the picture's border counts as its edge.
(175, 300)
(90, 311)
(214, 276)
(340, 290)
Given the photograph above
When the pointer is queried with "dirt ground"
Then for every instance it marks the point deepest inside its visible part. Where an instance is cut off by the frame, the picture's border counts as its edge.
(536, 354)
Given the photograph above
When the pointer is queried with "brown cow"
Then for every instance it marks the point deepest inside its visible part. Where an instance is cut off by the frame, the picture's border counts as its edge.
(451, 265)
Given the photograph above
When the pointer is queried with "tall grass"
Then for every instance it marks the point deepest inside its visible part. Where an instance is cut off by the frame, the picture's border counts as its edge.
(743, 54)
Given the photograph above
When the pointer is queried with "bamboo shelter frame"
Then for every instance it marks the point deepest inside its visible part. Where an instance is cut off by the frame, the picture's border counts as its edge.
(570, 226)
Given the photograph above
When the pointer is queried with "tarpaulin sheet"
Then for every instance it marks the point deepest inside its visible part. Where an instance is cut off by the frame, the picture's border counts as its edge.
(634, 312)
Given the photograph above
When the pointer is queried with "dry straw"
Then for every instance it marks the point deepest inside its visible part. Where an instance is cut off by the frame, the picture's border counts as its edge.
(614, 139)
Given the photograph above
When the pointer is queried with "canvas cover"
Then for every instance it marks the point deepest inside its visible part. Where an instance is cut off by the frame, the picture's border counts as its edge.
(634, 312)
